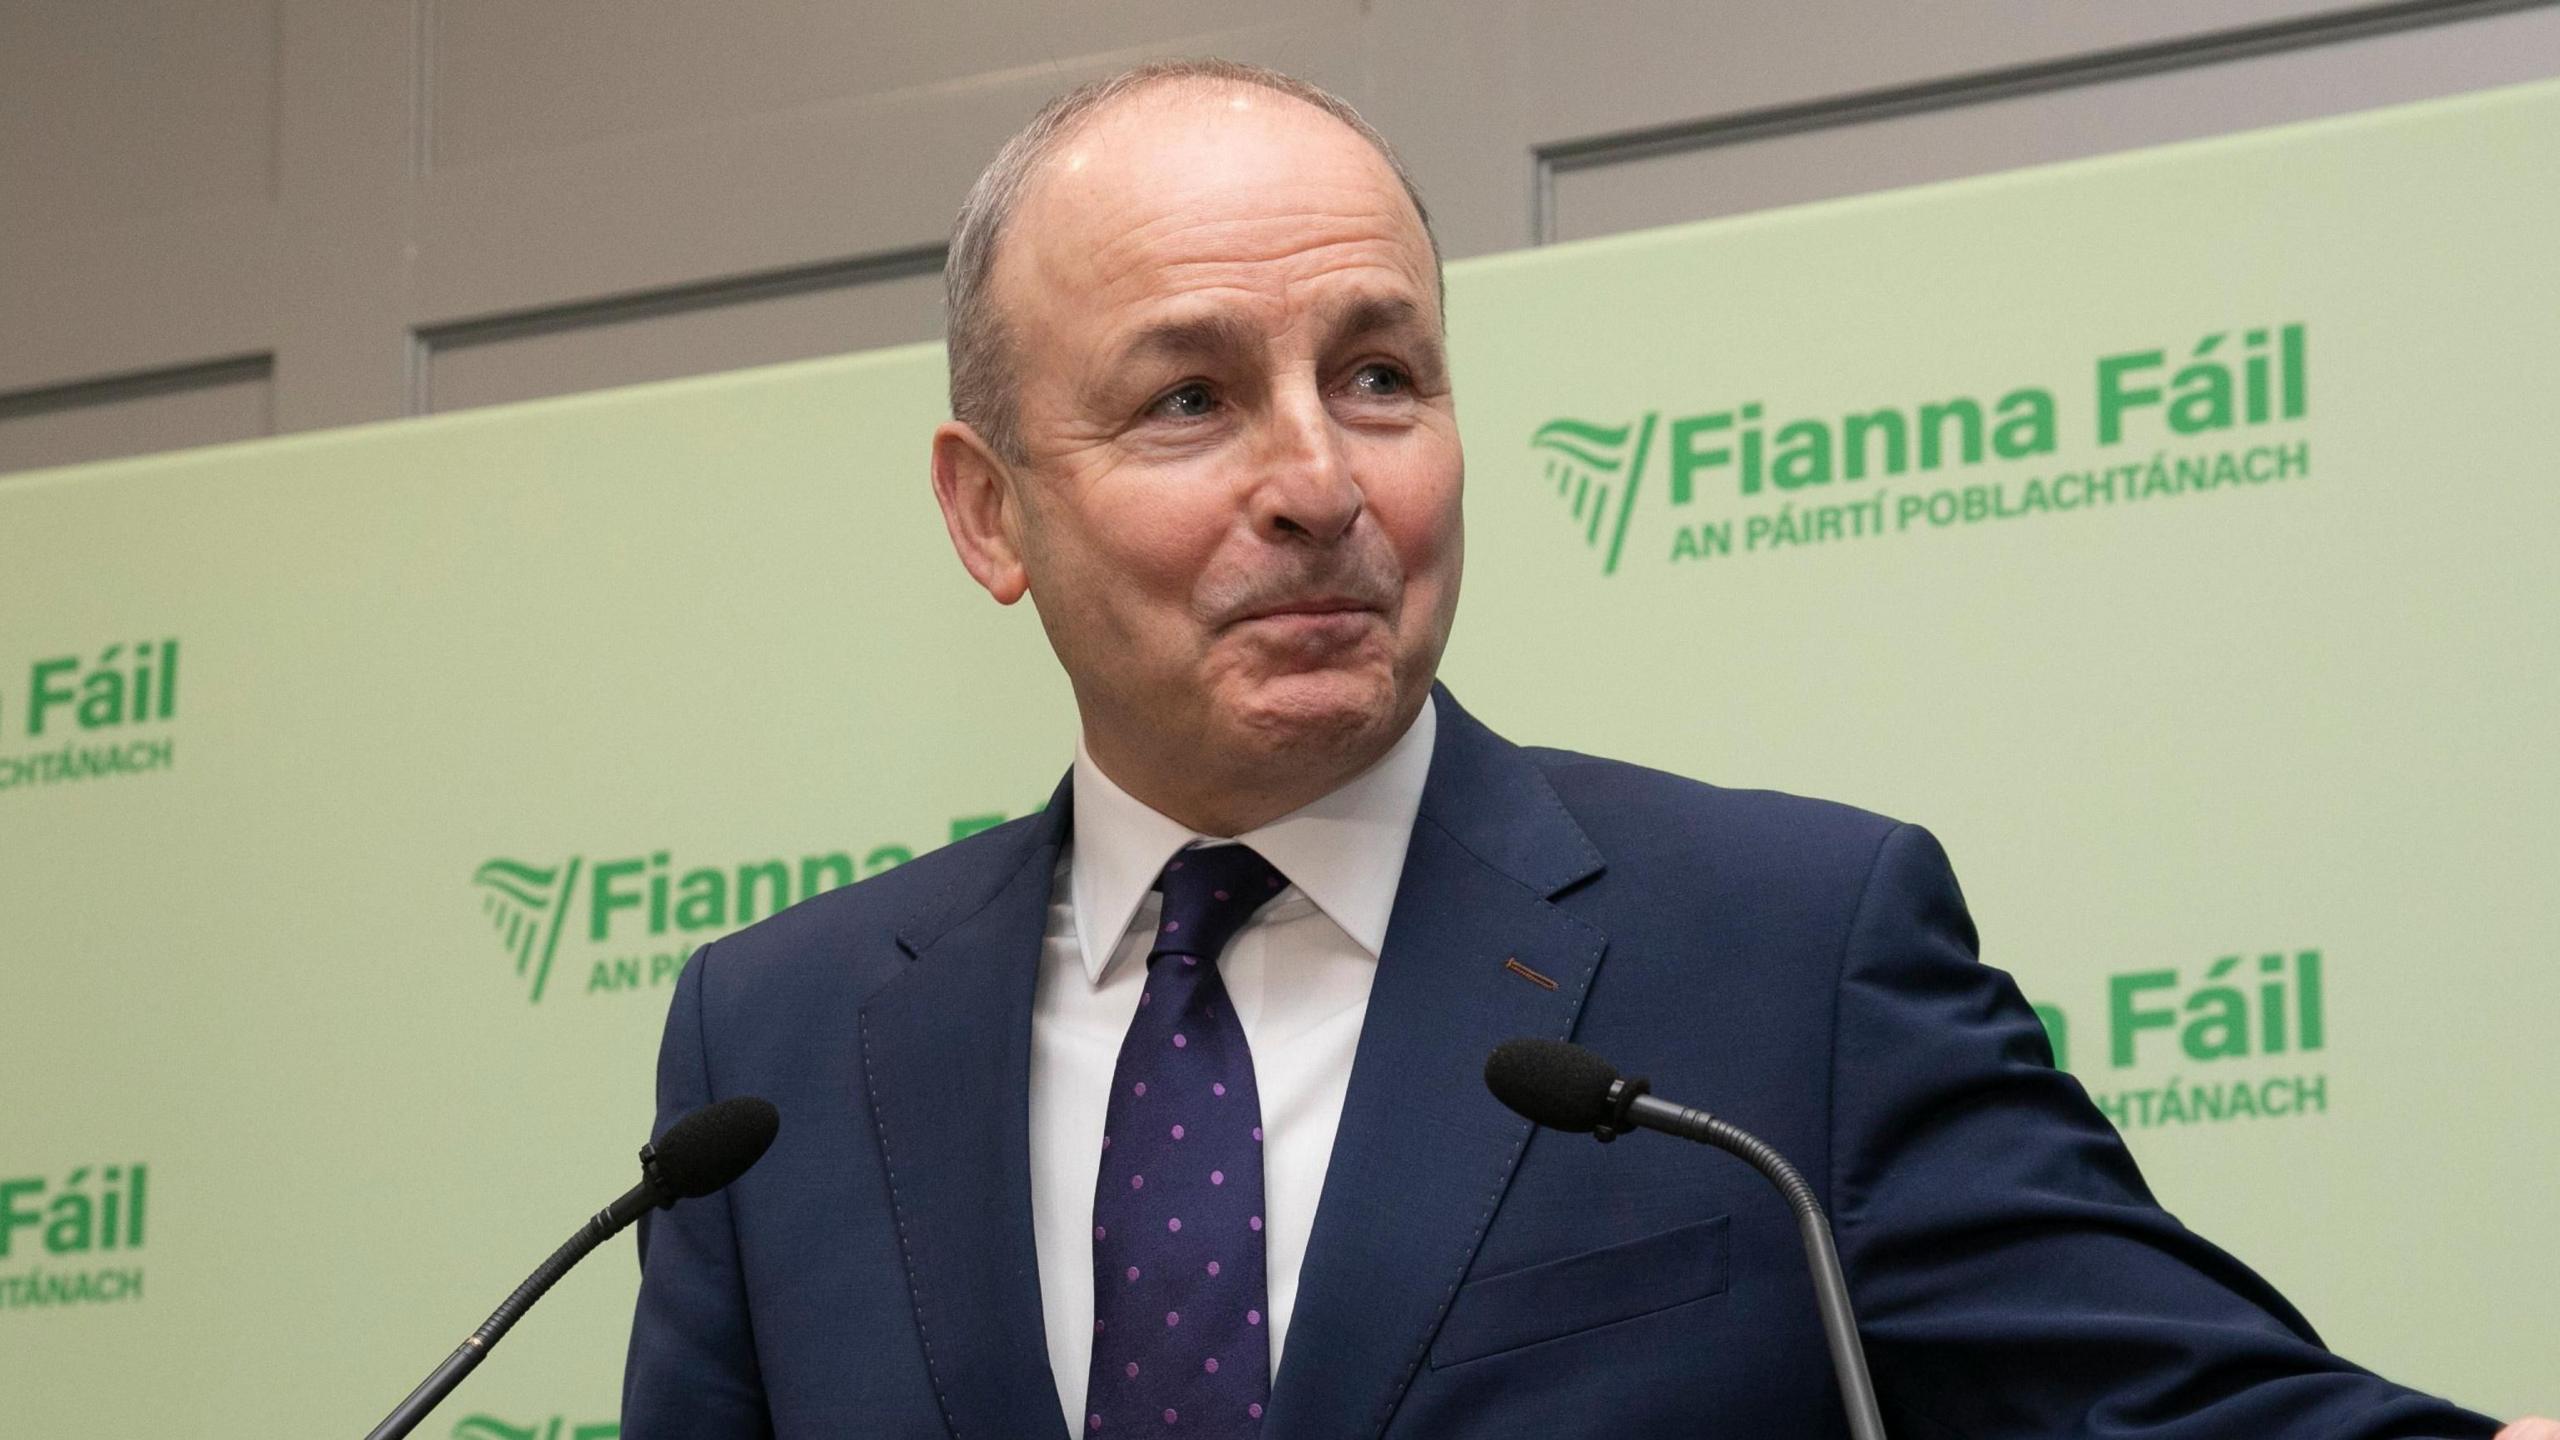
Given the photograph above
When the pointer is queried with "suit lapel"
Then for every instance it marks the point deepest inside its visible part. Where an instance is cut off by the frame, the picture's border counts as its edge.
(1424, 1152)
(953, 1122)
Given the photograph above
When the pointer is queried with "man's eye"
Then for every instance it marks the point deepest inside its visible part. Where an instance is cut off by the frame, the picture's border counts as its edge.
(1381, 380)
(1187, 402)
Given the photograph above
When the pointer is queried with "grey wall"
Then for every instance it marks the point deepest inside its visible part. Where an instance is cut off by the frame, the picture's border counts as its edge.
(228, 218)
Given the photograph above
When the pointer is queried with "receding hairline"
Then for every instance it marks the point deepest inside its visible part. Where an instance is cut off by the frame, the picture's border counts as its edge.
(1138, 107)
(980, 343)
(1071, 115)
(1166, 93)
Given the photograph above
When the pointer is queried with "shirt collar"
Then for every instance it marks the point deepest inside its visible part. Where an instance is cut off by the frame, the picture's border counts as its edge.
(1344, 851)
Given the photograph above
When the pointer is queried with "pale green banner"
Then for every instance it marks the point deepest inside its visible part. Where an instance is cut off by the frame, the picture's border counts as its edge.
(2171, 532)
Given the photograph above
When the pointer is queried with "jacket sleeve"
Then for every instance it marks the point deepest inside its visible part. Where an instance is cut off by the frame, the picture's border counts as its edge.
(691, 1373)
(2012, 1274)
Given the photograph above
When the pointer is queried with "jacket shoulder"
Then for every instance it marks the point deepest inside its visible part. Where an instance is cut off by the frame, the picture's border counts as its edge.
(1690, 849)
(1629, 809)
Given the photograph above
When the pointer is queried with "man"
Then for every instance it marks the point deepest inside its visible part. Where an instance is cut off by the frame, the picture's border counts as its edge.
(1097, 1124)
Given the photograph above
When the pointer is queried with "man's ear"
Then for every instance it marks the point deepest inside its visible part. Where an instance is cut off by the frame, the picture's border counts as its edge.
(981, 510)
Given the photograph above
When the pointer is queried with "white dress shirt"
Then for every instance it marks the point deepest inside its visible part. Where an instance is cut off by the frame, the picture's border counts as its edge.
(1298, 975)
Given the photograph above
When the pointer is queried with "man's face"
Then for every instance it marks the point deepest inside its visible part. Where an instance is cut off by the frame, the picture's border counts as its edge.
(1239, 511)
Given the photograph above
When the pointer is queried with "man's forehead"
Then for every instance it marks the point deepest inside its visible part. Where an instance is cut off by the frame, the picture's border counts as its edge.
(1184, 111)
(1189, 182)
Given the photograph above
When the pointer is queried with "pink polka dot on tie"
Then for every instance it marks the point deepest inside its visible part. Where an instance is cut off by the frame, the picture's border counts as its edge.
(1097, 1327)
(1216, 1177)
(1174, 1224)
(1142, 1087)
(1172, 925)
(1097, 1232)
(1257, 1133)
(1174, 1317)
(1221, 894)
(1093, 1422)
(1131, 1369)
(1255, 1222)
(1254, 1409)
(1253, 1317)
(1190, 959)
(1213, 1267)
(1146, 998)
(1132, 1272)
(1181, 1042)
(1176, 865)
(1177, 1132)
(1210, 1364)
(1217, 1089)
(1170, 1417)
(1139, 1182)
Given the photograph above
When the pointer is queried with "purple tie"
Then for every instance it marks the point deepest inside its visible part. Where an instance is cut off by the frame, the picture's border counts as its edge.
(1179, 1346)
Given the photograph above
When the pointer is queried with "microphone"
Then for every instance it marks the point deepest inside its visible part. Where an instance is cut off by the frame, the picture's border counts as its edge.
(1565, 1087)
(700, 1153)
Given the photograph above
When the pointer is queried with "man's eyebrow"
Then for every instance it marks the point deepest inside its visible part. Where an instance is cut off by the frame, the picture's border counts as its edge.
(1189, 336)
(1372, 313)
(1378, 314)
(1215, 333)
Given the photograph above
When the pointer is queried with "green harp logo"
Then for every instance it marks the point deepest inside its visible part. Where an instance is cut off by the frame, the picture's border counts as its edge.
(527, 905)
(489, 1427)
(1595, 470)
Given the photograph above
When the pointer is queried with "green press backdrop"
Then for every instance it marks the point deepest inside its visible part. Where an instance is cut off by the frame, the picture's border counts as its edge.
(2173, 533)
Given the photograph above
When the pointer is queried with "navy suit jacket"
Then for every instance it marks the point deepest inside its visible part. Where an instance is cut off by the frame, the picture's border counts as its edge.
(1806, 969)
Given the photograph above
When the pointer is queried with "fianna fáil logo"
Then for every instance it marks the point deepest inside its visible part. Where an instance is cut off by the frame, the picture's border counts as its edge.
(526, 904)
(1595, 470)
(2224, 414)
(74, 1241)
(490, 1427)
(93, 718)
(627, 923)
(2245, 1037)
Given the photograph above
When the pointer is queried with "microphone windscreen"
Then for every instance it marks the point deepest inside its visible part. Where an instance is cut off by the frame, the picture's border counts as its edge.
(714, 1145)
(1560, 1086)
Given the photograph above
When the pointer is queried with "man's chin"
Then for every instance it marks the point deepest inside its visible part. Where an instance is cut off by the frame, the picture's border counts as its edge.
(1318, 712)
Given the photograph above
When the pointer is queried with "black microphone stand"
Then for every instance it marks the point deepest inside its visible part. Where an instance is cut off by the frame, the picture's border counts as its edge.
(1630, 1106)
(475, 1347)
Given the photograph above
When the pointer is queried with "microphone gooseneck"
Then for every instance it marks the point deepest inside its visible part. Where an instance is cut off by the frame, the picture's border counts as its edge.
(1565, 1087)
(699, 1154)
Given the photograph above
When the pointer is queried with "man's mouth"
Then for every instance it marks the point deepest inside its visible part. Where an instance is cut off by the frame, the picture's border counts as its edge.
(1315, 606)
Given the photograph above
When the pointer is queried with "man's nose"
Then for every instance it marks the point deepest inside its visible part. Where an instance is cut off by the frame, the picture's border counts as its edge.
(1306, 490)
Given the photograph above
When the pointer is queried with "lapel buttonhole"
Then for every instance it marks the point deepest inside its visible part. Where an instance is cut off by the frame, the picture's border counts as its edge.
(1524, 972)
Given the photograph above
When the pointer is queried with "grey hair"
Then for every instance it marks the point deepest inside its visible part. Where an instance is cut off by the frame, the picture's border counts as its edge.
(979, 345)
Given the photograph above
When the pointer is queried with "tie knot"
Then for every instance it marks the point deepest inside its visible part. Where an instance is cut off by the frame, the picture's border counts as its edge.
(1209, 894)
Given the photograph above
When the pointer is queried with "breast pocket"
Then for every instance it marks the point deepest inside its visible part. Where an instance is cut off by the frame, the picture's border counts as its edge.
(1556, 1298)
